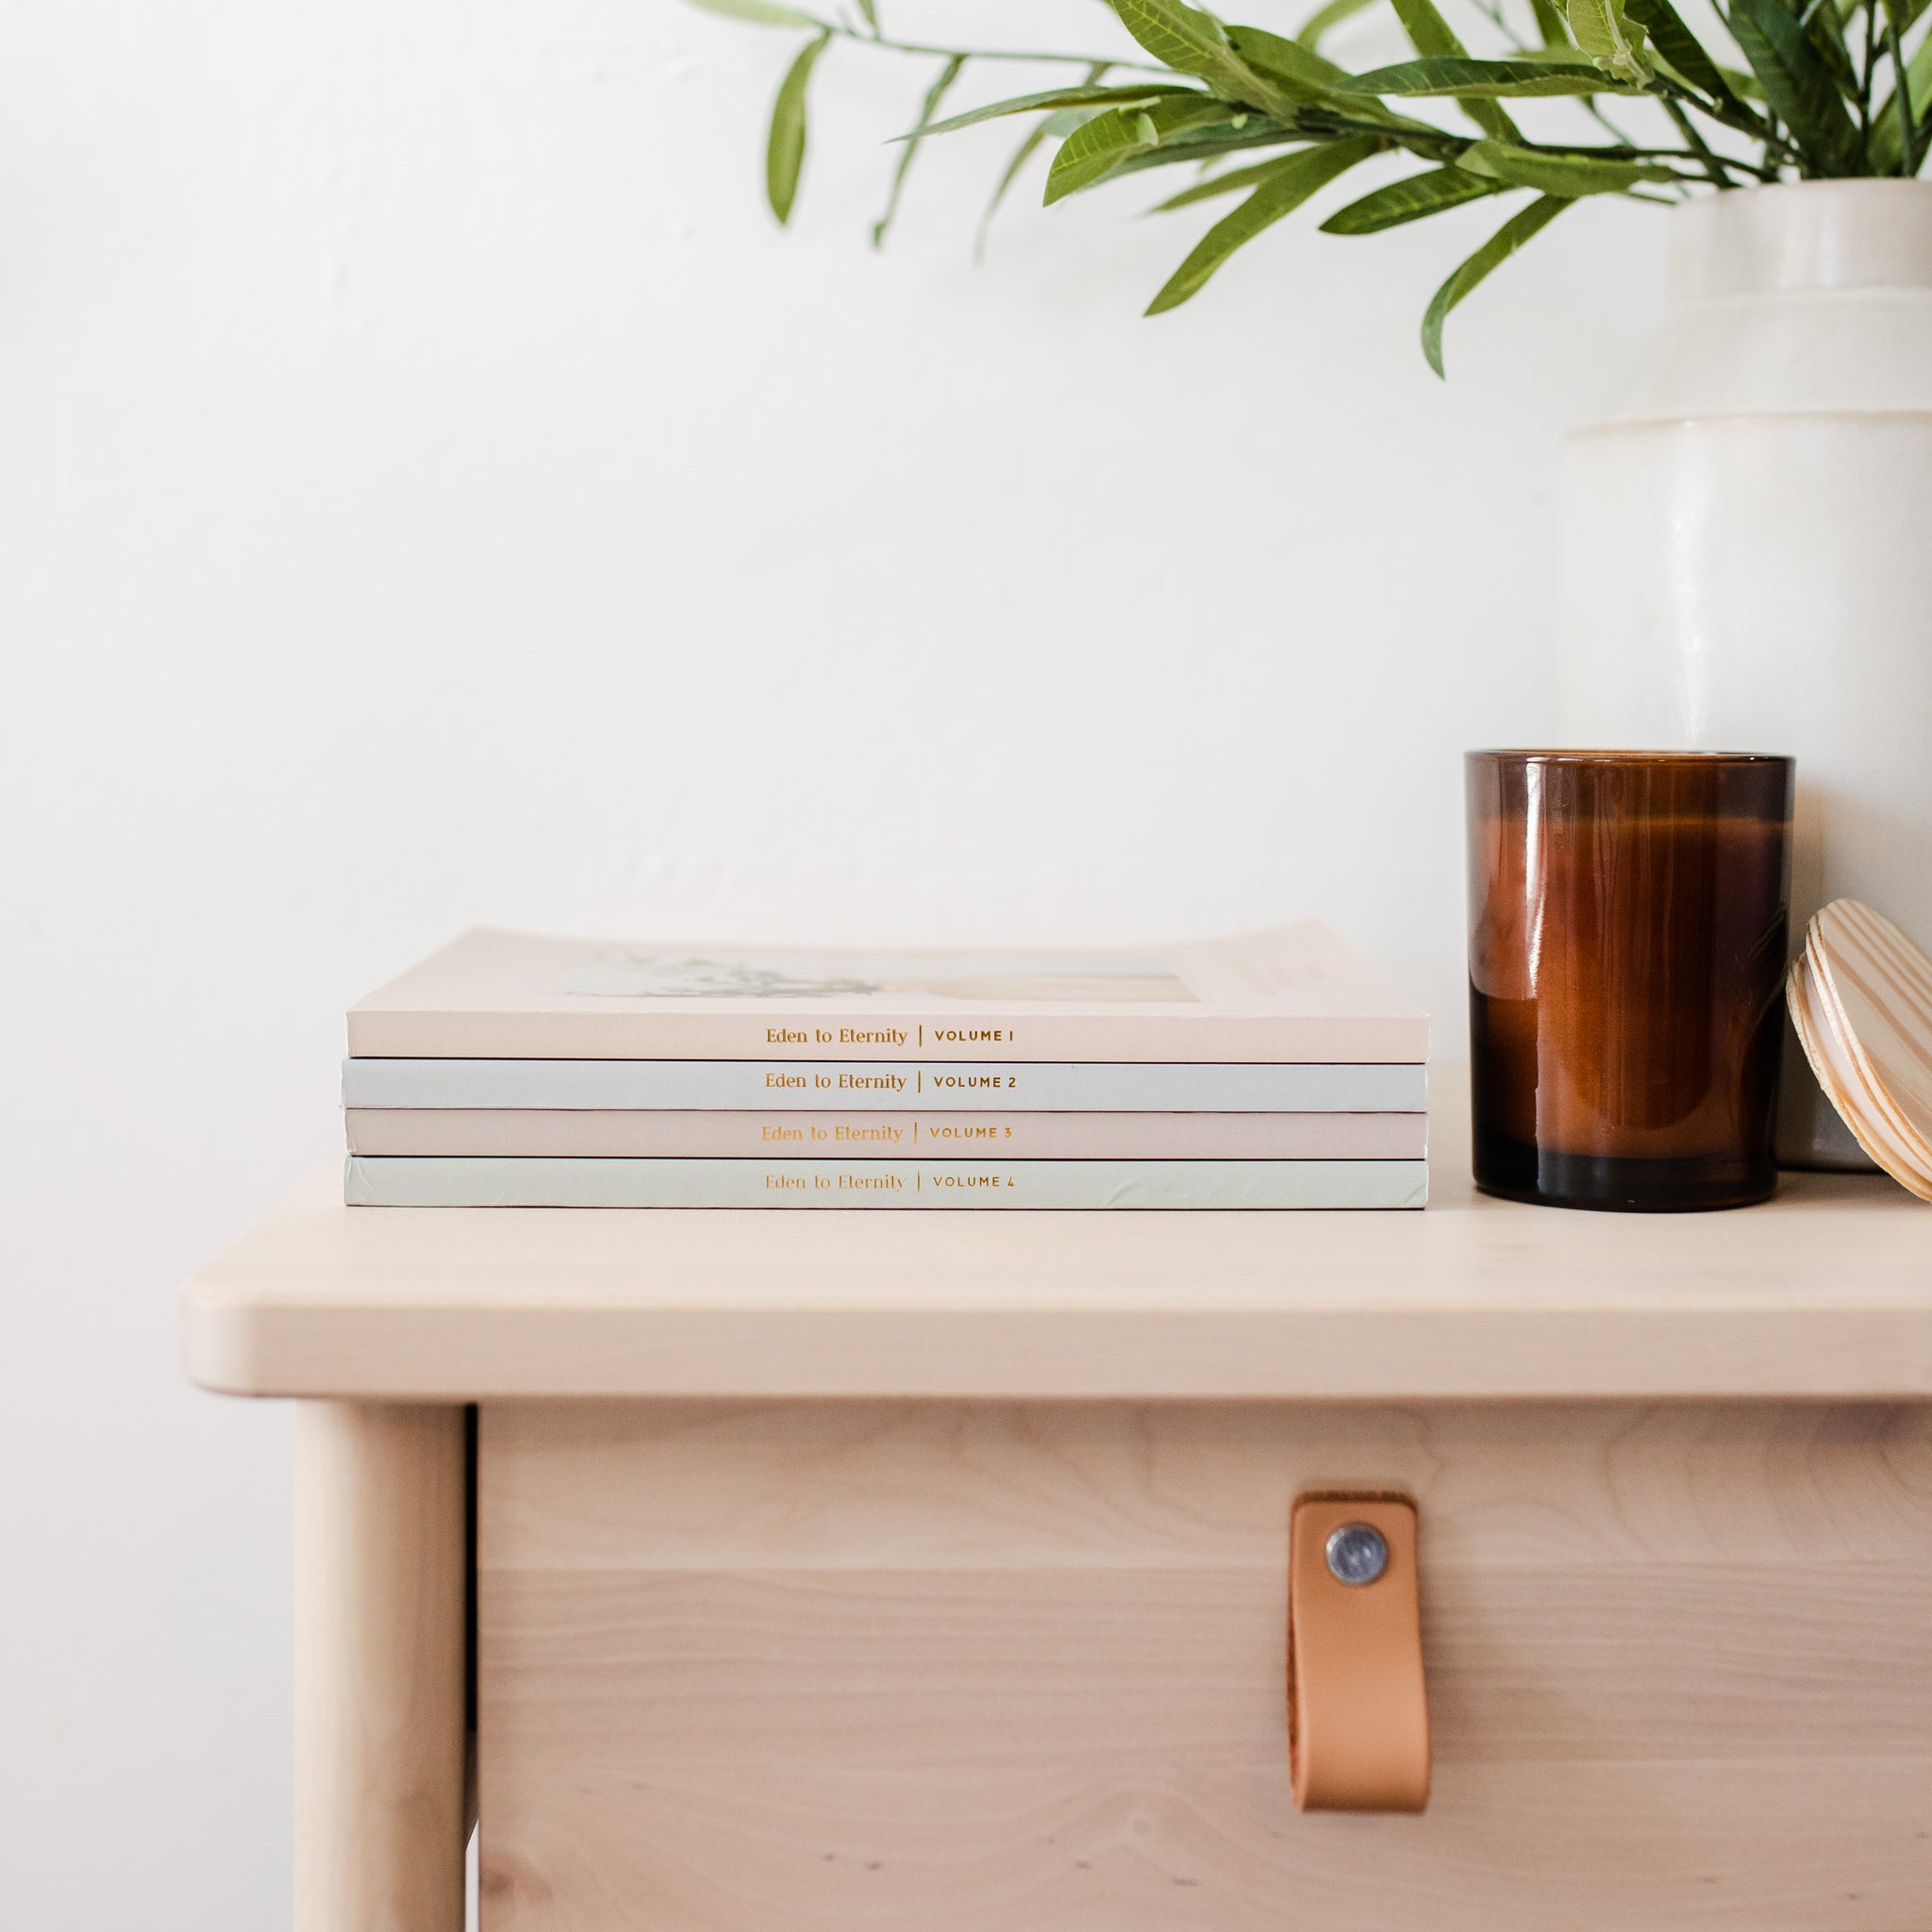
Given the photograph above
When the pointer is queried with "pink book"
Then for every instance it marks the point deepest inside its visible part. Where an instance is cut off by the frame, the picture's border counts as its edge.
(666, 1134)
(1293, 994)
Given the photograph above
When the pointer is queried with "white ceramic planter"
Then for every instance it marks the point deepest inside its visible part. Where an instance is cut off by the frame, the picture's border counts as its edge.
(1745, 540)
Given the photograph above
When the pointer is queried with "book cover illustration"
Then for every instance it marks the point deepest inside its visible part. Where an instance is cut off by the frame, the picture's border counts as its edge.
(626, 972)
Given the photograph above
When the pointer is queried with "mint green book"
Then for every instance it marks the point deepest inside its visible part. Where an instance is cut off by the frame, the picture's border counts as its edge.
(512, 1181)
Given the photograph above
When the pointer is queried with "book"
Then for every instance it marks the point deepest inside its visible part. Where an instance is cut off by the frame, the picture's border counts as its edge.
(1297, 993)
(1011, 1136)
(929, 1086)
(405, 1181)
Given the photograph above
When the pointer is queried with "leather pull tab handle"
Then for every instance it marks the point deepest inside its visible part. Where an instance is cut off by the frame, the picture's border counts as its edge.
(1357, 1710)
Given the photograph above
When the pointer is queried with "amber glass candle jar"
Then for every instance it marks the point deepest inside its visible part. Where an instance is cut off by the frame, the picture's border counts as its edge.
(1627, 917)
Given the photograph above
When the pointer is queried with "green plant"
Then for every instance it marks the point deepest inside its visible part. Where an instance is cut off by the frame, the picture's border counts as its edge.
(1816, 90)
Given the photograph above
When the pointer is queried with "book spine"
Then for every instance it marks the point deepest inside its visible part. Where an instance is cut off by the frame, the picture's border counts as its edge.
(372, 1181)
(641, 1133)
(933, 1087)
(1184, 1034)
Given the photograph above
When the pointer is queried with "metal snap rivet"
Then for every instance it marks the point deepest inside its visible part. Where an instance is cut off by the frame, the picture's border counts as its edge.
(1357, 1554)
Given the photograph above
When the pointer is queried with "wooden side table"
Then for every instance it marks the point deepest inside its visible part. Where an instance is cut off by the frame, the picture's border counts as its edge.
(891, 1571)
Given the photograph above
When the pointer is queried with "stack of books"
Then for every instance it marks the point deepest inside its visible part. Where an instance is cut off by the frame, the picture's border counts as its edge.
(1274, 1071)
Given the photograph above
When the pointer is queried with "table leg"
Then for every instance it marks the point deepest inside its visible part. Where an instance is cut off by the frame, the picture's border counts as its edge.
(381, 1579)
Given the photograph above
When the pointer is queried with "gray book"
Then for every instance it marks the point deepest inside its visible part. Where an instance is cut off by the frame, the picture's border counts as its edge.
(434, 1181)
(818, 1086)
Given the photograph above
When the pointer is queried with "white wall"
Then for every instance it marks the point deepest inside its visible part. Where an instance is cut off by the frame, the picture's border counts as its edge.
(433, 491)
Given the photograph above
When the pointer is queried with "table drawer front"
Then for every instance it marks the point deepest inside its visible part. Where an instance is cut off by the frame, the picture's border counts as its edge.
(972, 1666)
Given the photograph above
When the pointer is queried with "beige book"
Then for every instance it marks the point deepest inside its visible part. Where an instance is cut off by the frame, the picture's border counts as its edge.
(1294, 994)
(644, 1134)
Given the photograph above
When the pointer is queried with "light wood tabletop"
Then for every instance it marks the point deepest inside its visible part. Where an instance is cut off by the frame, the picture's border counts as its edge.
(932, 1567)
(1824, 1293)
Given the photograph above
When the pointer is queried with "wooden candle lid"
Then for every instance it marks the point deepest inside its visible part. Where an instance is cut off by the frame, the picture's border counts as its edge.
(1861, 996)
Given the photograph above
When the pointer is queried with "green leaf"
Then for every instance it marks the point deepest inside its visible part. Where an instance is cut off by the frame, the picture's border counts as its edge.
(1568, 176)
(1191, 42)
(1429, 34)
(1208, 145)
(1057, 126)
(1460, 78)
(1235, 179)
(1797, 85)
(934, 96)
(1826, 29)
(871, 14)
(785, 145)
(1603, 30)
(1040, 131)
(1521, 227)
(1063, 97)
(1290, 182)
(1180, 37)
(759, 12)
(1887, 146)
(1331, 15)
(1091, 153)
(1550, 23)
(1175, 120)
(1681, 48)
(1301, 69)
(1409, 200)
(1305, 76)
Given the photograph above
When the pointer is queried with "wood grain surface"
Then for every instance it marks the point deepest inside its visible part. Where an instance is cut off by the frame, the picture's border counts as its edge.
(1871, 988)
(1824, 1293)
(971, 1666)
(382, 1568)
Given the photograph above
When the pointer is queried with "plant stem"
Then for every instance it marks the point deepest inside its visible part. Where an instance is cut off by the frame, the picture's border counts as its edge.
(1602, 120)
(1493, 12)
(1920, 140)
(1871, 45)
(1627, 151)
(1712, 166)
(864, 40)
(1769, 132)
(934, 96)
(1619, 151)
(1902, 99)
(1439, 146)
